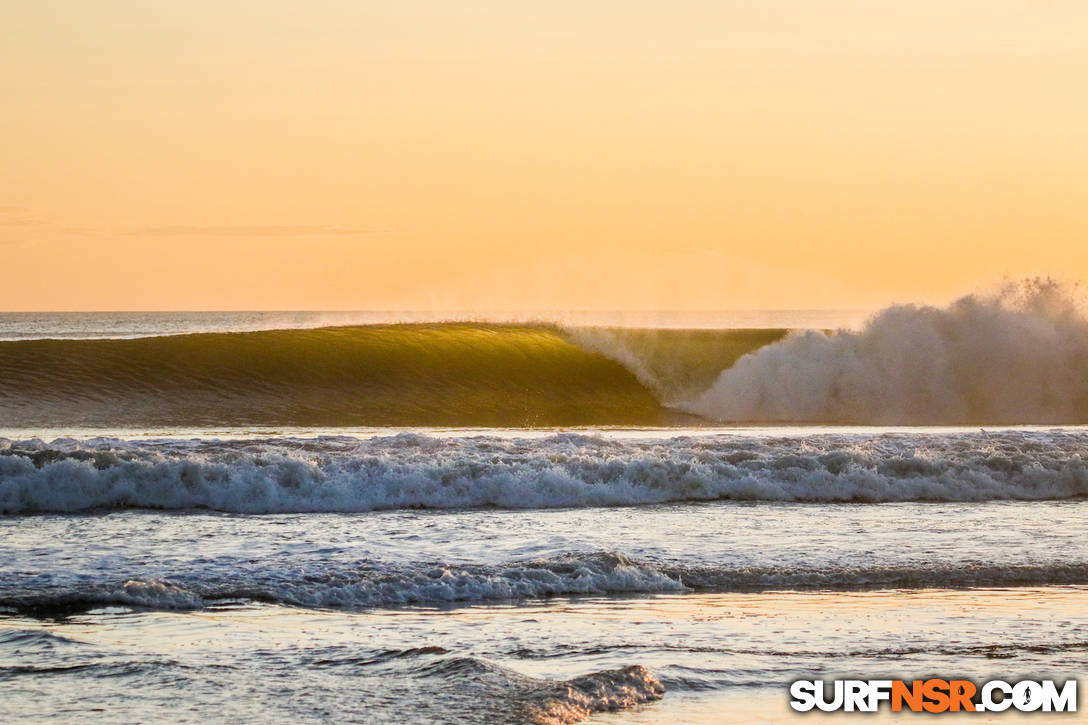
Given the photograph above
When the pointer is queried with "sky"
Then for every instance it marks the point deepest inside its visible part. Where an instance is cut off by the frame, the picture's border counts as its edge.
(569, 154)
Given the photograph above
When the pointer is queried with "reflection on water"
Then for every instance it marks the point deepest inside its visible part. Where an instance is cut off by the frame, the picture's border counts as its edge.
(723, 658)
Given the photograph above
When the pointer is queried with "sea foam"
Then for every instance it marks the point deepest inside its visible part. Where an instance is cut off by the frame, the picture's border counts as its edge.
(567, 470)
(1018, 356)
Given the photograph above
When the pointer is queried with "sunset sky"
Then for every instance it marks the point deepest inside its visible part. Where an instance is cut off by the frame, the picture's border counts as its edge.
(710, 154)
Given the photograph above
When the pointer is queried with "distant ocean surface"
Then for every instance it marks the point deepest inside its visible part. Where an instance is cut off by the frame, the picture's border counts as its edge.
(630, 518)
(92, 325)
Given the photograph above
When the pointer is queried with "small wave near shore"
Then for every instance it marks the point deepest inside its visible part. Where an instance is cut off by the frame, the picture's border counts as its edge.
(374, 585)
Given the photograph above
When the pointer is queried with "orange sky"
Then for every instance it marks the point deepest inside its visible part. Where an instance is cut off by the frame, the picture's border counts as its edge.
(281, 154)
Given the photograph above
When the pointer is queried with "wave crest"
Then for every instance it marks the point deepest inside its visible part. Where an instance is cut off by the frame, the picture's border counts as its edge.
(575, 700)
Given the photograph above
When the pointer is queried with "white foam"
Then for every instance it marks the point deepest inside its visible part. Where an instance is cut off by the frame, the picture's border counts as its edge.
(1020, 356)
(412, 471)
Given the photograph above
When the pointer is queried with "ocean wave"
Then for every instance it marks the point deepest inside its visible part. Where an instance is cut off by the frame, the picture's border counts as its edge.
(441, 374)
(153, 594)
(547, 702)
(574, 700)
(1019, 356)
(365, 585)
(368, 585)
(343, 474)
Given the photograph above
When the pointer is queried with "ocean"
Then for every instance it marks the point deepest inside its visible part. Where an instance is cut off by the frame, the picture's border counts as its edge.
(603, 517)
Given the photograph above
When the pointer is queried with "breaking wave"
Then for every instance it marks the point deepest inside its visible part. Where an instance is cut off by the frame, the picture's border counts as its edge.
(439, 374)
(574, 700)
(1019, 356)
(514, 697)
(345, 474)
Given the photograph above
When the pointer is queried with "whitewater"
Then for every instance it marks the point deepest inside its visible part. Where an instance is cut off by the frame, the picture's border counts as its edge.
(1016, 356)
(412, 470)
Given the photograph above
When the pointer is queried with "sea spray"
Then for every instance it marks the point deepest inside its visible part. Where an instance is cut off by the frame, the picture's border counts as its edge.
(1018, 356)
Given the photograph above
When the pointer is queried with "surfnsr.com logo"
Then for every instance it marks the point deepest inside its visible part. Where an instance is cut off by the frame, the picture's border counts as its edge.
(933, 695)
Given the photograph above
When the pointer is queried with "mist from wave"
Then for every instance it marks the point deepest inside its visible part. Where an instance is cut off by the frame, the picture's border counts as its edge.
(1017, 356)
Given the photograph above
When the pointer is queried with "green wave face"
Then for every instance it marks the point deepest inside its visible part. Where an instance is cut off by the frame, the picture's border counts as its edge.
(395, 375)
